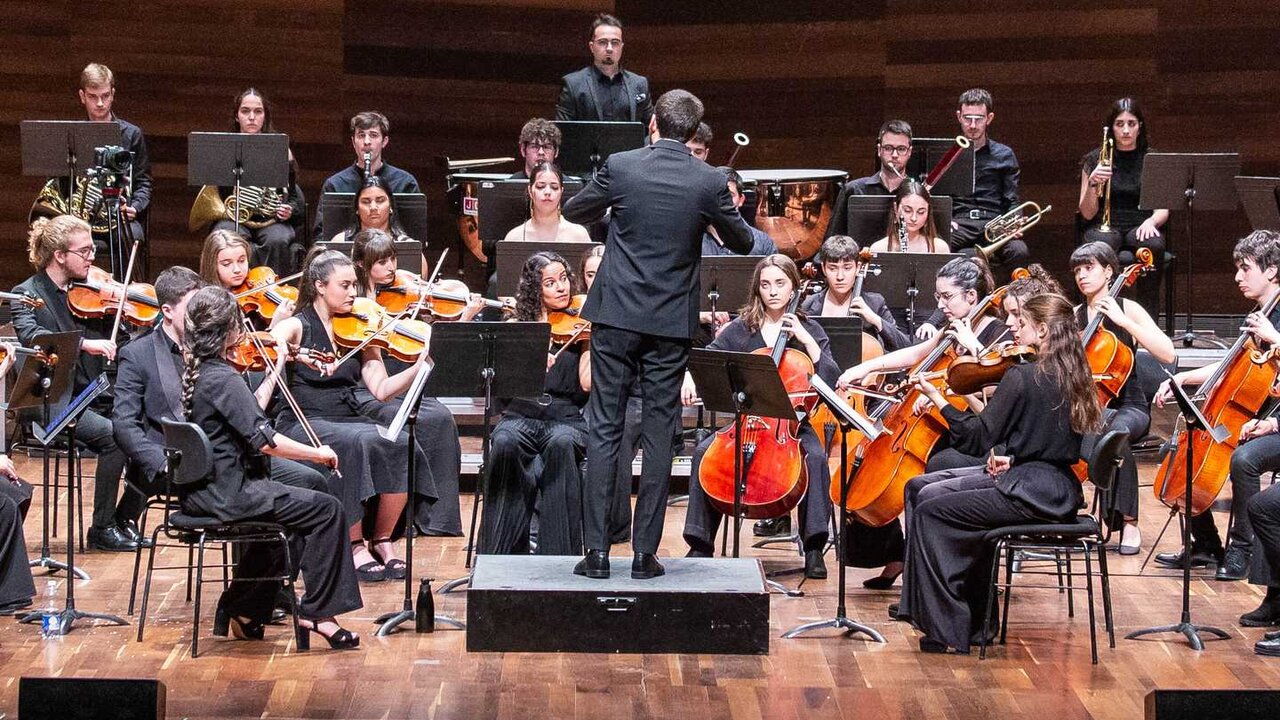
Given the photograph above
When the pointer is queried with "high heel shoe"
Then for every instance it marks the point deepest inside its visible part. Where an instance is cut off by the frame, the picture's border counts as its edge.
(340, 640)
(242, 629)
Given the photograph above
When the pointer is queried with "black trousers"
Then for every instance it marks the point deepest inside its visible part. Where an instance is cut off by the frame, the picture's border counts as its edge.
(1136, 421)
(1249, 461)
(618, 358)
(327, 571)
(620, 514)
(94, 432)
(1124, 240)
(702, 518)
(967, 234)
(15, 573)
(1264, 518)
(272, 245)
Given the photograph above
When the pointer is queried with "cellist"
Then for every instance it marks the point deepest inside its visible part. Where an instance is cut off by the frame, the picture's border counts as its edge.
(1093, 265)
(1257, 260)
(758, 325)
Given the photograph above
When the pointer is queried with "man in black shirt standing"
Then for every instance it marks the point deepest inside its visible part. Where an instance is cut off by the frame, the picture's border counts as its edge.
(370, 133)
(603, 90)
(995, 183)
(894, 149)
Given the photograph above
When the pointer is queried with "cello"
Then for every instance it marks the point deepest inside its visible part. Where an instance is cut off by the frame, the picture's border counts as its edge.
(773, 469)
(876, 492)
(1236, 392)
(822, 419)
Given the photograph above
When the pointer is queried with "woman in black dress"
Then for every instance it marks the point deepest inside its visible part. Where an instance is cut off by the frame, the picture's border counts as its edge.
(16, 586)
(776, 281)
(240, 488)
(537, 448)
(374, 486)
(1039, 412)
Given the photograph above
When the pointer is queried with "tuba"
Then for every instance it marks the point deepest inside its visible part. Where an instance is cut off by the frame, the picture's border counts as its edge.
(85, 202)
(255, 207)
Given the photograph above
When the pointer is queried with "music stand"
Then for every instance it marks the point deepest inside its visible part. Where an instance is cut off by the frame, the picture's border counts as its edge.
(957, 181)
(586, 144)
(487, 360)
(38, 386)
(868, 217)
(847, 418)
(62, 148)
(726, 281)
(1194, 420)
(235, 159)
(504, 204)
(845, 336)
(743, 384)
(1189, 181)
(511, 255)
(1261, 199)
(903, 276)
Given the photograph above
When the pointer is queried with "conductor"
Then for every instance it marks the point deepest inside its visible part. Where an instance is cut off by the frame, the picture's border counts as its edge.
(643, 307)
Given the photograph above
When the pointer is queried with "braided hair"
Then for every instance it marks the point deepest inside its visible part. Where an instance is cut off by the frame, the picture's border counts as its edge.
(213, 318)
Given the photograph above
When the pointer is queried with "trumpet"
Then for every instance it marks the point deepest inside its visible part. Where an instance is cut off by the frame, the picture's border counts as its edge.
(1010, 225)
(1104, 191)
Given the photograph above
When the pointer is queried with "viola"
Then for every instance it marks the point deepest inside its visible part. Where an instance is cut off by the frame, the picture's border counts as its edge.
(30, 301)
(567, 324)
(969, 374)
(263, 292)
(99, 295)
(1235, 394)
(369, 324)
(257, 351)
(444, 299)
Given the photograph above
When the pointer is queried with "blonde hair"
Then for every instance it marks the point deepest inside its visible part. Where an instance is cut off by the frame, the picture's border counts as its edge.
(49, 235)
(215, 243)
(95, 74)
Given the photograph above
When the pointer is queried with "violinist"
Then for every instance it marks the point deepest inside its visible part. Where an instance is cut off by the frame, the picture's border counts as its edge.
(16, 586)
(375, 208)
(1257, 259)
(1094, 265)
(911, 223)
(537, 448)
(776, 280)
(838, 258)
(1039, 412)
(224, 262)
(374, 484)
(62, 251)
(241, 488)
(546, 224)
(374, 255)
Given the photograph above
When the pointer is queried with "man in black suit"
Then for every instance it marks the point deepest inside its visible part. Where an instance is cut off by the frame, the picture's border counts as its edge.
(643, 307)
(603, 90)
(370, 134)
(62, 251)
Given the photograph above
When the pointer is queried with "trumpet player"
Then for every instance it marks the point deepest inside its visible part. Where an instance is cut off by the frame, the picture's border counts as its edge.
(995, 183)
(1109, 195)
(370, 135)
(893, 147)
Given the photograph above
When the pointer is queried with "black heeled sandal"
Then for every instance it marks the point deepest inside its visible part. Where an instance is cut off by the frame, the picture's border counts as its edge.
(242, 629)
(343, 639)
(395, 567)
(372, 571)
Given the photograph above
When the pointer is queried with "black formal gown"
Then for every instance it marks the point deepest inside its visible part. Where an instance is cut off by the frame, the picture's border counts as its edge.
(16, 584)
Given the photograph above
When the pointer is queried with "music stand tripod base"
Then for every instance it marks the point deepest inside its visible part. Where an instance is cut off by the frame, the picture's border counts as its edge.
(454, 584)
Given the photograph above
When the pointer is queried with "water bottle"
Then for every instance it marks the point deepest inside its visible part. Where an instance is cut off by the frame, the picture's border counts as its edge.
(50, 619)
(424, 619)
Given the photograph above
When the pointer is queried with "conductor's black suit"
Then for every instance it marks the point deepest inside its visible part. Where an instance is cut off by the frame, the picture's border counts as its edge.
(643, 307)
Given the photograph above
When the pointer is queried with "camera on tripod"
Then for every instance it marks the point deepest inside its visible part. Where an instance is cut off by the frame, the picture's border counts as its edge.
(112, 166)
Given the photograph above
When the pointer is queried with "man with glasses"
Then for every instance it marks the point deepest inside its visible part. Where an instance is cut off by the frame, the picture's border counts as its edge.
(539, 143)
(603, 90)
(995, 182)
(894, 149)
(370, 133)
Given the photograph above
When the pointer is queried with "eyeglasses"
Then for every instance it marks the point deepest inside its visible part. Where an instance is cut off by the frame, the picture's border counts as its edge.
(895, 149)
(540, 146)
(607, 43)
(972, 119)
(87, 254)
(947, 297)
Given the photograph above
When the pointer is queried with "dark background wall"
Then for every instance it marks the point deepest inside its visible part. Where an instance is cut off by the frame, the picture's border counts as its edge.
(810, 82)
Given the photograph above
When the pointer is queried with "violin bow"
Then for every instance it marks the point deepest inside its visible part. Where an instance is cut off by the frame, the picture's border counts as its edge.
(124, 295)
(430, 282)
(283, 387)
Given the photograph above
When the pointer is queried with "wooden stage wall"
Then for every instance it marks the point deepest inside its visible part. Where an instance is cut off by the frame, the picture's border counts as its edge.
(809, 81)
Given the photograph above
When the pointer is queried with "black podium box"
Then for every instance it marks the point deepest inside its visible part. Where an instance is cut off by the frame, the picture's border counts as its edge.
(530, 603)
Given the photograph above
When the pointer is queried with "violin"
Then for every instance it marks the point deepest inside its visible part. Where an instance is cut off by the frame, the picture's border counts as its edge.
(99, 295)
(969, 374)
(257, 351)
(444, 299)
(30, 301)
(369, 324)
(263, 293)
(22, 350)
(567, 325)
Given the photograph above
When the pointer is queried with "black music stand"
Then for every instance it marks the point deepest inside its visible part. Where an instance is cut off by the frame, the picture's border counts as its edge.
(1189, 181)
(511, 256)
(338, 209)
(38, 385)
(586, 144)
(1261, 199)
(845, 336)
(868, 218)
(1194, 420)
(407, 417)
(743, 384)
(726, 282)
(957, 181)
(903, 276)
(487, 360)
(224, 159)
(504, 204)
(847, 418)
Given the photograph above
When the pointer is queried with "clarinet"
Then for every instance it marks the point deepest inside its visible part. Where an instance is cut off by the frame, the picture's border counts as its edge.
(368, 163)
(902, 235)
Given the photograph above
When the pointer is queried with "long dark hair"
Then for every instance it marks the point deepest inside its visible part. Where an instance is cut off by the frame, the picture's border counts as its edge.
(393, 220)
(267, 126)
(1061, 357)
(318, 267)
(1130, 105)
(968, 273)
(908, 188)
(529, 291)
(753, 313)
(369, 247)
(213, 316)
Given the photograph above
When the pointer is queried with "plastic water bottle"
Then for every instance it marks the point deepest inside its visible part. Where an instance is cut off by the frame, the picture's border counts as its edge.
(50, 621)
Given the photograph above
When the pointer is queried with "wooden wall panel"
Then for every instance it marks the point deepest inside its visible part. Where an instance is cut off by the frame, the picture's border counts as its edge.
(810, 81)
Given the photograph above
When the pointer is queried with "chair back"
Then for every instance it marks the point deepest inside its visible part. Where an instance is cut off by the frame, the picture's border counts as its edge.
(1104, 465)
(189, 451)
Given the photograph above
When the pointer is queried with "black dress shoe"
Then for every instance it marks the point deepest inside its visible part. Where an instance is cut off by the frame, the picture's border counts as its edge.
(1235, 566)
(1266, 615)
(1199, 559)
(594, 565)
(772, 527)
(698, 553)
(645, 566)
(815, 567)
(110, 539)
(1268, 646)
(129, 529)
(1273, 635)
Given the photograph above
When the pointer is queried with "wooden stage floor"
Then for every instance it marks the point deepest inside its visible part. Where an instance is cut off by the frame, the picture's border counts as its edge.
(1043, 672)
